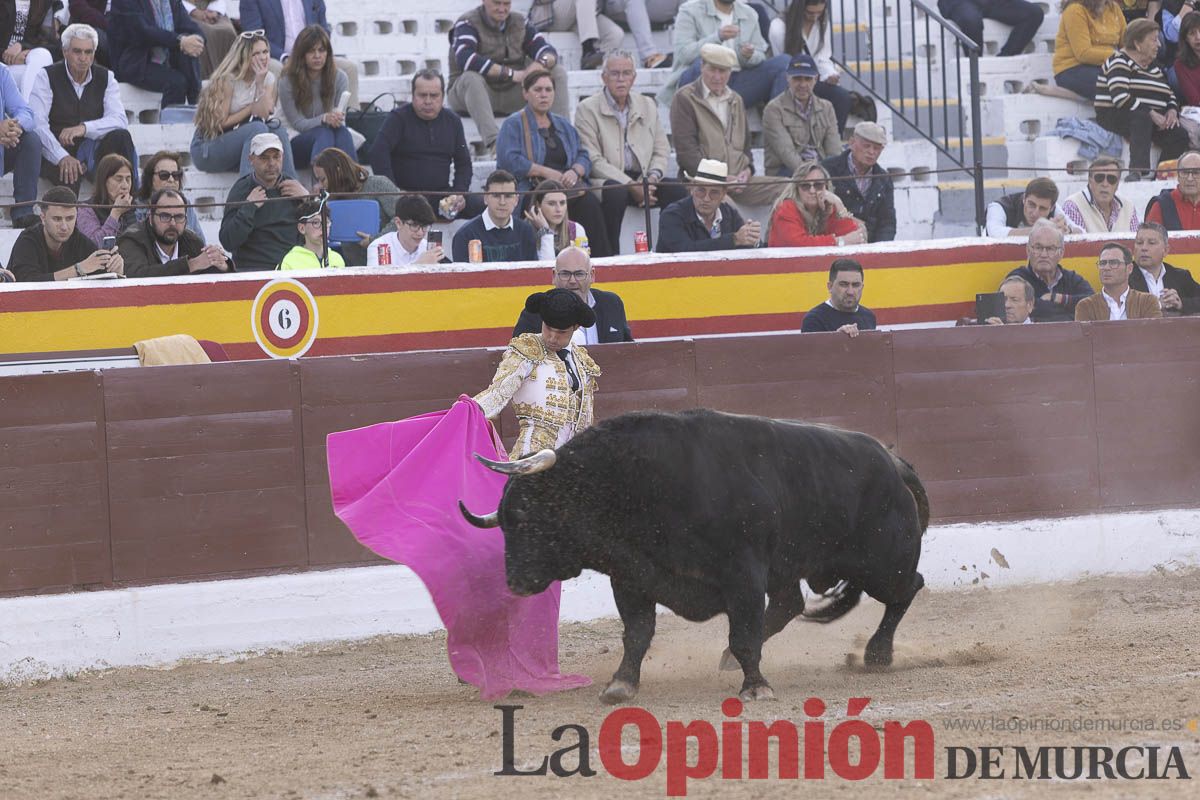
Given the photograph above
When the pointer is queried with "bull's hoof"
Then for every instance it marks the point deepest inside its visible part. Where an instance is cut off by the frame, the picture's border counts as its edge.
(760, 692)
(618, 692)
(729, 662)
(878, 654)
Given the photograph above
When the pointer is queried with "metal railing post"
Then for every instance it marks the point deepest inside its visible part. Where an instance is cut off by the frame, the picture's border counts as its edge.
(977, 140)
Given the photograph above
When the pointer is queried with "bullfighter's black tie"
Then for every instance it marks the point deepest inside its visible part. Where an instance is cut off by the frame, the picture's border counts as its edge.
(570, 369)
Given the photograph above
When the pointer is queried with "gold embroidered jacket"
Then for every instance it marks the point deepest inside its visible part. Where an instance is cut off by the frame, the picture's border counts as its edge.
(535, 380)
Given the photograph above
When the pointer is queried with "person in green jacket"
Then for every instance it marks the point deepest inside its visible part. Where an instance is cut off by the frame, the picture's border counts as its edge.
(309, 255)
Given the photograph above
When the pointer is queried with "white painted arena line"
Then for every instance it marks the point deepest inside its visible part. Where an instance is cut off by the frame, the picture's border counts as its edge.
(52, 635)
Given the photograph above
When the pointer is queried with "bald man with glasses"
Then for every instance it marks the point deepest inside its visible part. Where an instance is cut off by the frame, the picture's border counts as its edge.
(573, 271)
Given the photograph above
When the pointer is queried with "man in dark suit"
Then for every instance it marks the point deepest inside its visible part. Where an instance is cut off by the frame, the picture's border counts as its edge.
(146, 54)
(573, 270)
(267, 15)
(1175, 288)
(864, 186)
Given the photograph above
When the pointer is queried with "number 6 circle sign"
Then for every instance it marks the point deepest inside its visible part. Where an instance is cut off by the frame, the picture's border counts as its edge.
(284, 318)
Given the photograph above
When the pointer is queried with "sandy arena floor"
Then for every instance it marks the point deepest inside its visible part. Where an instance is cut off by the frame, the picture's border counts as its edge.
(387, 718)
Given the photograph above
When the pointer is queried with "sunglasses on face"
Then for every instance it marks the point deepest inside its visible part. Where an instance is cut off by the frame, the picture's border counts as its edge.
(811, 186)
(167, 175)
(1111, 180)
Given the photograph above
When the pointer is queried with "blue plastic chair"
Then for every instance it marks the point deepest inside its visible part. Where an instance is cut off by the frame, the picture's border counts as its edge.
(347, 217)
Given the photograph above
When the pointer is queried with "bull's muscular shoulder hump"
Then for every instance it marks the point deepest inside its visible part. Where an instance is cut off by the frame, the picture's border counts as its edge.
(530, 346)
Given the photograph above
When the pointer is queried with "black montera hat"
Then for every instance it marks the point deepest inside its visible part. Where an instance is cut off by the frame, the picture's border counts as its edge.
(561, 309)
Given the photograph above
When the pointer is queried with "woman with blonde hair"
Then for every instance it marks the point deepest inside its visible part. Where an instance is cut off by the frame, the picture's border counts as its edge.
(237, 104)
(1089, 31)
(808, 214)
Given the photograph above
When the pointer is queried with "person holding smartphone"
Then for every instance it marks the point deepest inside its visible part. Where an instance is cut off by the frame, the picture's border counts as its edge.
(412, 242)
(54, 250)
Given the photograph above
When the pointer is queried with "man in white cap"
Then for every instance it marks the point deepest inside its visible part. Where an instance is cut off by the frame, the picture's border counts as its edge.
(260, 233)
(704, 221)
(864, 186)
(708, 121)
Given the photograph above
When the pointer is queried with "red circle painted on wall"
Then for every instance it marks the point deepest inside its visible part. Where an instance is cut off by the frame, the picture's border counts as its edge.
(284, 318)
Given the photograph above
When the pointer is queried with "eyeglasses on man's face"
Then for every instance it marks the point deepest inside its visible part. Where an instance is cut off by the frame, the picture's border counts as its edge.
(417, 227)
(1047, 249)
(170, 219)
(578, 275)
(1189, 173)
(1110, 263)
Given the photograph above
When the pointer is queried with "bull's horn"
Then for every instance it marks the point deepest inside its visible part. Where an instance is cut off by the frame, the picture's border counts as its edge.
(492, 520)
(538, 462)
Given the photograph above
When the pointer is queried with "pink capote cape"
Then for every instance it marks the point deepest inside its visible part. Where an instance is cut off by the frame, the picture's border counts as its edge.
(396, 485)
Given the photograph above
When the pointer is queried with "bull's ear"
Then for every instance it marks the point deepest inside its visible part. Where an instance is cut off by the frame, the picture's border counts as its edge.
(538, 462)
(491, 520)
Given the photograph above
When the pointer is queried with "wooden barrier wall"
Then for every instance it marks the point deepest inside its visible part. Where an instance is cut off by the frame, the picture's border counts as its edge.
(135, 476)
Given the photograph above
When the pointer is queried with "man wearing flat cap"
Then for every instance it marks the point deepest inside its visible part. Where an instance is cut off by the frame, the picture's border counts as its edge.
(549, 379)
(708, 121)
(798, 126)
(260, 233)
(733, 26)
(703, 221)
(864, 186)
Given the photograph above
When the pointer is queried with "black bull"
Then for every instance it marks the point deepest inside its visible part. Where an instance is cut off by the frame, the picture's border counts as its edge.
(706, 512)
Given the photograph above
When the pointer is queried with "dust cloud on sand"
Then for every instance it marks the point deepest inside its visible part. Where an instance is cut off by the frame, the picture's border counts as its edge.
(387, 718)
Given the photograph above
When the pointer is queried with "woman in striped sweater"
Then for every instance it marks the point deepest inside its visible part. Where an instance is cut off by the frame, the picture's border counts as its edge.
(1133, 99)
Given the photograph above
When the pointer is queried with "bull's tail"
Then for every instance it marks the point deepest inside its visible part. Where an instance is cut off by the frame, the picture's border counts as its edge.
(909, 475)
(843, 602)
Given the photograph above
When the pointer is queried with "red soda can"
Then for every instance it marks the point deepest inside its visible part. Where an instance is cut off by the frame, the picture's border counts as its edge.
(475, 251)
(641, 244)
(385, 254)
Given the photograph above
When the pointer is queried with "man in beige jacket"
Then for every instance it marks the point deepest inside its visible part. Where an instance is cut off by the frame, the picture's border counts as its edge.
(621, 131)
(708, 120)
(798, 126)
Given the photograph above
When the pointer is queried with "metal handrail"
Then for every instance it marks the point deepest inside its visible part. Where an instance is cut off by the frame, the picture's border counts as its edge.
(936, 30)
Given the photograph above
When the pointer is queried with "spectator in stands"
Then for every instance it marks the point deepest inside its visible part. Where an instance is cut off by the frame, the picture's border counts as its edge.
(237, 105)
(502, 236)
(703, 221)
(1178, 209)
(843, 311)
(638, 16)
(1014, 214)
(422, 148)
(547, 213)
(597, 33)
(797, 125)
(408, 243)
(492, 50)
(112, 201)
(536, 144)
(708, 122)
(621, 131)
(1133, 99)
(805, 29)
(92, 12)
(314, 251)
(1023, 17)
(1187, 61)
(78, 109)
(163, 171)
(1058, 289)
(20, 150)
(1097, 209)
(344, 178)
(1176, 290)
(733, 26)
(282, 21)
(257, 232)
(155, 45)
(807, 214)
(163, 244)
(53, 250)
(310, 92)
(1116, 300)
(573, 271)
(1018, 302)
(212, 17)
(1088, 33)
(864, 186)
(28, 45)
